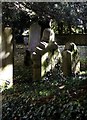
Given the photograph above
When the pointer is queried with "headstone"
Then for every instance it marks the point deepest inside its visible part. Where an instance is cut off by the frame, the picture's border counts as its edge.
(70, 59)
(48, 35)
(6, 74)
(52, 53)
(34, 36)
(46, 54)
(34, 39)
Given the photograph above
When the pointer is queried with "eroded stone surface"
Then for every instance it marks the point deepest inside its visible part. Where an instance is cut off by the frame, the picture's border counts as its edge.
(6, 71)
(48, 52)
(34, 37)
(70, 59)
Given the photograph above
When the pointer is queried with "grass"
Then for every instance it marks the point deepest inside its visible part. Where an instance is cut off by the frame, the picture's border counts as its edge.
(83, 64)
(54, 98)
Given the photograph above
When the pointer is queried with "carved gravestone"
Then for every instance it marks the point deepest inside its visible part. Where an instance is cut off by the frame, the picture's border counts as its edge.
(7, 56)
(70, 59)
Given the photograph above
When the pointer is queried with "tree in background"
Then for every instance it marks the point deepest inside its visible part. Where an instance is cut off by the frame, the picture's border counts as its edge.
(68, 17)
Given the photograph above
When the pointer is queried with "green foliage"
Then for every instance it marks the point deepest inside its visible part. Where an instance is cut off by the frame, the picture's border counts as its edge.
(55, 26)
(73, 15)
(53, 98)
(83, 64)
(45, 100)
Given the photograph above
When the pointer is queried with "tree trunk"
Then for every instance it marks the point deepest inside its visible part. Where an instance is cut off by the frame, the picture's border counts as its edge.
(60, 28)
(69, 28)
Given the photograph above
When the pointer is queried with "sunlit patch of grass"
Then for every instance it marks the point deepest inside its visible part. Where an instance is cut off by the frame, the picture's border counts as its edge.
(83, 72)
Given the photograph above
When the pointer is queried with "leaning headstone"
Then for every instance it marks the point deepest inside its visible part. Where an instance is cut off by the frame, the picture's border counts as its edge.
(7, 56)
(47, 52)
(70, 59)
(52, 53)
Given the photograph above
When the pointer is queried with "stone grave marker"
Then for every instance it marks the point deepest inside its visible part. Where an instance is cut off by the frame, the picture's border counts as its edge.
(34, 36)
(52, 53)
(70, 59)
(34, 39)
(6, 73)
(46, 54)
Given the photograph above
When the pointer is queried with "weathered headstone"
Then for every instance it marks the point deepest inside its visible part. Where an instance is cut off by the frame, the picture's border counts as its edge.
(46, 54)
(52, 54)
(49, 60)
(48, 35)
(6, 73)
(34, 39)
(34, 36)
(70, 59)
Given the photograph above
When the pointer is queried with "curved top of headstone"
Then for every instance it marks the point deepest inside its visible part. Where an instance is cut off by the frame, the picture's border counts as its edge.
(70, 46)
(7, 30)
(48, 35)
(34, 36)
